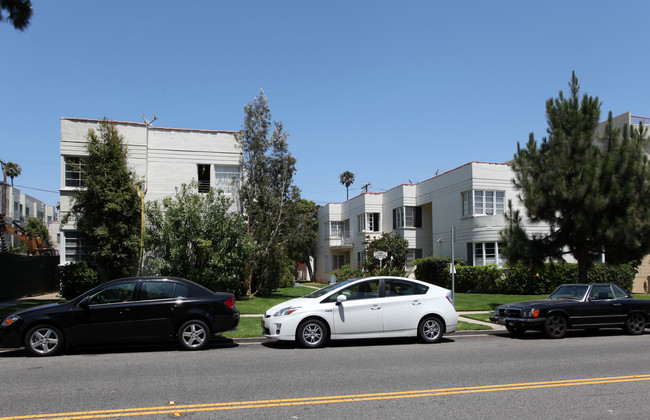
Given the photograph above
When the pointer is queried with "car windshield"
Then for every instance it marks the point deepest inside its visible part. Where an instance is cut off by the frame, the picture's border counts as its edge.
(325, 290)
(576, 292)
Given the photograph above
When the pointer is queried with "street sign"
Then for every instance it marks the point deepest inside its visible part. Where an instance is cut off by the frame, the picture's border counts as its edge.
(380, 255)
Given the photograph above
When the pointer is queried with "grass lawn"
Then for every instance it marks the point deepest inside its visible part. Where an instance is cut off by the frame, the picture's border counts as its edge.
(479, 317)
(485, 302)
(24, 305)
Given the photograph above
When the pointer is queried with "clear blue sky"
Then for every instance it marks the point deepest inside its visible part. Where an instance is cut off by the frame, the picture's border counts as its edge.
(390, 90)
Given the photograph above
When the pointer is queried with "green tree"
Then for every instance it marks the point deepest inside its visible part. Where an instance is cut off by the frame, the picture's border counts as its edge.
(347, 179)
(302, 234)
(195, 236)
(397, 249)
(36, 228)
(18, 12)
(266, 193)
(107, 209)
(12, 170)
(583, 190)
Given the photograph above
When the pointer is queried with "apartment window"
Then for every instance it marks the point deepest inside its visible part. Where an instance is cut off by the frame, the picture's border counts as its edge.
(407, 217)
(77, 247)
(368, 222)
(484, 253)
(226, 178)
(74, 172)
(482, 202)
(338, 261)
(413, 254)
(203, 177)
(339, 230)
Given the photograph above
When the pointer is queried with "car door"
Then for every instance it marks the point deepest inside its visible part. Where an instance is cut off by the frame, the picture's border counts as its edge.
(401, 306)
(602, 308)
(360, 314)
(107, 316)
(156, 311)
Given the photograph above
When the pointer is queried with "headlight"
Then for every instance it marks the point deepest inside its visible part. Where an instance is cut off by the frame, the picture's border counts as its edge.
(530, 313)
(10, 320)
(286, 311)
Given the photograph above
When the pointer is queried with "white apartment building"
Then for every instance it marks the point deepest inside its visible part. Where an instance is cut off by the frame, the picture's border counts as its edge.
(472, 198)
(164, 158)
(21, 206)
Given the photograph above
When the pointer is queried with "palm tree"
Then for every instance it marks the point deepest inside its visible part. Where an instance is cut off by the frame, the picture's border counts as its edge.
(347, 179)
(12, 170)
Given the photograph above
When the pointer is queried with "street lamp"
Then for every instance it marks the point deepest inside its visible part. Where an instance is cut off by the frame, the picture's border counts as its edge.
(147, 123)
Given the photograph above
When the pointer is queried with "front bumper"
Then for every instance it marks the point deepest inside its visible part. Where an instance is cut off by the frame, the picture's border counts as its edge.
(518, 322)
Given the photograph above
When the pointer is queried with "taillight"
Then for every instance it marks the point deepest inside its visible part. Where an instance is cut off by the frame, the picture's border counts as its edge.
(230, 302)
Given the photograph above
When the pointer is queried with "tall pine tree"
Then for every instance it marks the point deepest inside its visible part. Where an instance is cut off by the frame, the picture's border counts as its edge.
(266, 193)
(592, 194)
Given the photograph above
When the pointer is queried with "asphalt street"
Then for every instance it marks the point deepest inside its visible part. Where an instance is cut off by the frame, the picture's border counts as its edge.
(586, 375)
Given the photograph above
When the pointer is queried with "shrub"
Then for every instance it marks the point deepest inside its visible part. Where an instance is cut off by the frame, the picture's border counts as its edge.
(75, 279)
(435, 270)
(621, 275)
(347, 272)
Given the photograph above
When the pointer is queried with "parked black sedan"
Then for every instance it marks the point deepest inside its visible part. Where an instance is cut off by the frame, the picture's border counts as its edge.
(123, 310)
(579, 306)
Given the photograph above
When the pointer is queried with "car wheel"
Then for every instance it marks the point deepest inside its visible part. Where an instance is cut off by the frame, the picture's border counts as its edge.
(515, 330)
(635, 324)
(312, 333)
(430, 330)
(555, 326)
(44, 340)
(194, 335)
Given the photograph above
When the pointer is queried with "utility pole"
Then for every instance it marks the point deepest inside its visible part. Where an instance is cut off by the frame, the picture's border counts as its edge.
(4, 187)
(141, 194)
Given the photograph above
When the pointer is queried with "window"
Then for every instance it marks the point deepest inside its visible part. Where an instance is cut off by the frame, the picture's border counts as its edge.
(363, 290)
(412, 254)
(339, 230)
(482, 203)
(368, 222)
(74, 171)
(151, 290)
(122, 292)
(226, 178)
(338, 261)
(407, 217)
(77, 247)
(404, 288)
(485, 253)
(203, 177)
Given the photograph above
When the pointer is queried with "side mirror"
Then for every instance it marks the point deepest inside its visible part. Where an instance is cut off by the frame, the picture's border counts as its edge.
(340, 299)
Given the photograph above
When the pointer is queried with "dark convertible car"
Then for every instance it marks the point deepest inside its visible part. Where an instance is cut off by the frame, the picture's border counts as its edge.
(129, 309)
(579, 306)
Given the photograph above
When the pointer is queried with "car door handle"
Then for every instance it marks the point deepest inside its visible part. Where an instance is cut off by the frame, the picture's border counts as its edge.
(416, 303)
(375, 308)
(616, 304)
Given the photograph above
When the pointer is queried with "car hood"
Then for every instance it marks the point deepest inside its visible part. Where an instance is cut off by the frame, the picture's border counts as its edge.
(302, 302)
(538, 303)
(41, 308)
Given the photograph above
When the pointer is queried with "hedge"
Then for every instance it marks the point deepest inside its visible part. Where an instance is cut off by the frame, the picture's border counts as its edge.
(517, 279)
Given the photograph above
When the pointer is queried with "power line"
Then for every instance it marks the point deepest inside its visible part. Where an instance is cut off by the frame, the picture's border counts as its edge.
(37, 189)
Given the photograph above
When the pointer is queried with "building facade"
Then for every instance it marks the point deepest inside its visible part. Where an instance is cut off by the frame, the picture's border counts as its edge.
(21, 206)
(472, 198)
(164, 158)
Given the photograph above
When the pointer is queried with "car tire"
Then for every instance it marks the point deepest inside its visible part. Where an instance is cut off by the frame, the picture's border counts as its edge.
(193, 335)
(430, 330)
(312, 334)
(635, 324)
(555, 326)
(515, 331)
(44, 340)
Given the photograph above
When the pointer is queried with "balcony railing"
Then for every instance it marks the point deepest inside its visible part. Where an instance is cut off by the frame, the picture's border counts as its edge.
(636, 120)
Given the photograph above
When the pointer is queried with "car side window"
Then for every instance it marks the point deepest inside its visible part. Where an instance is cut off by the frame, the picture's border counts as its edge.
(151, 290)
(400, 288)
(619, 293)
(363, 290)
(180, 291)
(121, 292)
(601, 292)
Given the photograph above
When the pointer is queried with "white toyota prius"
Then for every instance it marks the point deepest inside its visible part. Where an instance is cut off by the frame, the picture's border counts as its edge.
(370, 307)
